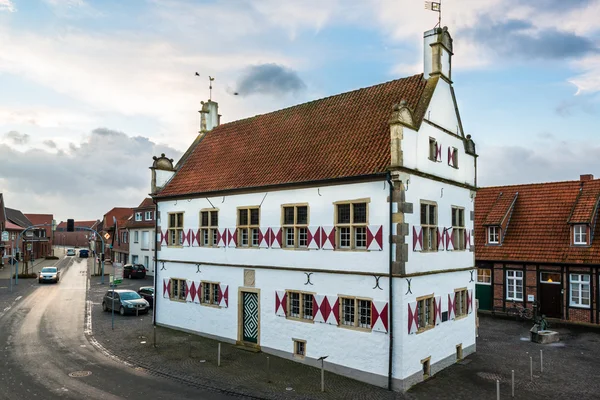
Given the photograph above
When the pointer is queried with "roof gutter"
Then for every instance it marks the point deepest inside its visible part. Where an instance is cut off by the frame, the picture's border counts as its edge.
(154, 302)
(391, 290)
(368, 177)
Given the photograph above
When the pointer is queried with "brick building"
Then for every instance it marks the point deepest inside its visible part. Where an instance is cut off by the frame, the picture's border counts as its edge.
(43, 246)
(79, 238)
(538, 243)
(120, 250)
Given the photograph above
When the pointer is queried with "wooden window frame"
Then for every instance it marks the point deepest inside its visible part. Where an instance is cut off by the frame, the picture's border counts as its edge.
(580, 283)
(298, 342)
(515, 278)
(458, 230)
(295, 226)
(249, 227)
(421, 312)
(210, 229)
(172, 295)
(301, 311)
(429, 228)
(582, 235)
(177, 230)
(493, 232)
(213, 302)
(483, 275)
(355, 325)
(352, 225)
(460, 298)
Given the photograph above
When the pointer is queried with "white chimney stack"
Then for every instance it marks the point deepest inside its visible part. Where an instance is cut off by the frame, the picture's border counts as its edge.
(438, 53)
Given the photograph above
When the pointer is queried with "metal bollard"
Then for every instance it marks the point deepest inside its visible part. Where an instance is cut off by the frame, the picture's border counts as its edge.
(154, 334)
(541, 361)
(513, 382)
(219, 355)
(497, 389)
(531, 368)
(268, 370)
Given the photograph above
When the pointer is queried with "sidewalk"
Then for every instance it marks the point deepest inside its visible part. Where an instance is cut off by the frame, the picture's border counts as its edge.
(8, 270)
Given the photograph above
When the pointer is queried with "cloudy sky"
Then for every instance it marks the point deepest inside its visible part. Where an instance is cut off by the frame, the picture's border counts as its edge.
(91, 90)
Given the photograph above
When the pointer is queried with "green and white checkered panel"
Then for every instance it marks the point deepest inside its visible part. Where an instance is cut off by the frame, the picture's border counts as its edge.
(251, 317)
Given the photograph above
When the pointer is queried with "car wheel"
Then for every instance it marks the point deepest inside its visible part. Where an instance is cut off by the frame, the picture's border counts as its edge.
(104, 308)
(122, 310)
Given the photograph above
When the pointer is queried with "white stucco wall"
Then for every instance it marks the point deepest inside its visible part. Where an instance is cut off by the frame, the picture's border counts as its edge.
(141, 250)
(321, 213)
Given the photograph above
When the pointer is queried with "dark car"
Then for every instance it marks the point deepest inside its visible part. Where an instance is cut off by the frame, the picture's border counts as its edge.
(83, 253)
(147, 292)
(134, 271)
(125, 302)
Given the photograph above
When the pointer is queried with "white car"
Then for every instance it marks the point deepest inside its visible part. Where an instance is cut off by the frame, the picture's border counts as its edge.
(70, 252)
(49, 274)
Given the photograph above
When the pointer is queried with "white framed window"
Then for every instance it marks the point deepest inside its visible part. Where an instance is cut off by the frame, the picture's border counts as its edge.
(175, 229)
(209, 223)
(580, 290)
(134, 259)
(429, 225)
(136, 236)
(124, 234)
(138, 216)
(248, 223)
(493, 234)
(355, 312)
(351, 221)
(580, 234)
(145, 240)
(514, 285)
(295, 225)
(484, 276)
(148, 216)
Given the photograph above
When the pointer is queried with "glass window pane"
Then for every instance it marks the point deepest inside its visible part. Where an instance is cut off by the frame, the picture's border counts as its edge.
(171, 220)
(360, 213)
(302, 215)
(343, 213)
(243, 217)
(214, 218)
(454, 216)
(204, 218)
(423, 214)
(254, 216)
(432, 215)
(288, 215)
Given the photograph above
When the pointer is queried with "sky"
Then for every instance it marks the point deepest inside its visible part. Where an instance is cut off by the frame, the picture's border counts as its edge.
(91, 90)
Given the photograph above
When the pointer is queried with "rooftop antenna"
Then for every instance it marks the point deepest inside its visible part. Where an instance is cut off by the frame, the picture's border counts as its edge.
(437, 7)
(210, 80)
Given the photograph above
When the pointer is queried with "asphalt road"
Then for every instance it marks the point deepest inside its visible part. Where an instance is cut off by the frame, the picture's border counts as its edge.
(42, 342)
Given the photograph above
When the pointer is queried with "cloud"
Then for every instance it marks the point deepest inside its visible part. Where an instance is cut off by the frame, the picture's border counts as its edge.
(17, 138)
(50, 143)
(566, 108)
(7, 5)
(588, 81)
(269, 79)
(550, 159)
(106, 169)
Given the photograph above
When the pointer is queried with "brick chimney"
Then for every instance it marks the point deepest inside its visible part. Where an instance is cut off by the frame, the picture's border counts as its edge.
(587, 177)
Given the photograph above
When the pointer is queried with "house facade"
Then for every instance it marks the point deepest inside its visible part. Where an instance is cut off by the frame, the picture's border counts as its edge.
(115, 235)
(537, 244)
(141, 235)
(42, 247)
(342, 228)
(79, 238)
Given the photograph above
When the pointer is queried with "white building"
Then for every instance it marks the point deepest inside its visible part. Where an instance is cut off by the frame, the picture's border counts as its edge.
(275, 231)
(141, 231)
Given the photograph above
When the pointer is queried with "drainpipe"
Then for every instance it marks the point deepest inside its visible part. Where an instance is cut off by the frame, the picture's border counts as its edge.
(155, 266)
(391, 303)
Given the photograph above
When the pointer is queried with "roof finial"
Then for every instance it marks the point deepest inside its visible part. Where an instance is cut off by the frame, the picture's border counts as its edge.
(437, 7)
(210, 80)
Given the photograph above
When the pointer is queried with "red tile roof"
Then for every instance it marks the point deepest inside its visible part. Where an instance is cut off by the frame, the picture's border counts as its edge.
(539, 226)
(501, 208)
(584, 207)
(122, 214)
(87, 224)
(346, 135)
(147, 203)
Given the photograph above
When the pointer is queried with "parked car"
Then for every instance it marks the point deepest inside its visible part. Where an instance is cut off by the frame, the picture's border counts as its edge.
(49, 274)
(125, 302)
(84, 253)
(134, 271)
(147, 292)
(70, 252)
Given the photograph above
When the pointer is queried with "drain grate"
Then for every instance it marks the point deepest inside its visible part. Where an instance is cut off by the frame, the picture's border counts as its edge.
(489, 376)
(80, 374)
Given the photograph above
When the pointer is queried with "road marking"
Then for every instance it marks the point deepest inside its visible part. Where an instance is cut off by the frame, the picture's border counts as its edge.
(11, 306)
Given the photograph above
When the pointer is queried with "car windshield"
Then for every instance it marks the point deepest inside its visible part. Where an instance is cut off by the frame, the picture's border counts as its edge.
(129, 296)
(48, 270)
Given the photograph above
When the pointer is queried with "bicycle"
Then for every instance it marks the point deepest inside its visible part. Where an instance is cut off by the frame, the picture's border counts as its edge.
(517, 310)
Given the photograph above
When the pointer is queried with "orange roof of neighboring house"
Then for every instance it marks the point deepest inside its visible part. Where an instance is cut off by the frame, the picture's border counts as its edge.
(87, 224)
(122, 214)
(585, 206)
(147, 203)
(346, 135)
(500, 208)
(539, 227)
(13, 227)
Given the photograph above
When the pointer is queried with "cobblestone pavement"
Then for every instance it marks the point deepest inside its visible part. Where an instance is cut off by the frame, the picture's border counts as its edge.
(569, 372)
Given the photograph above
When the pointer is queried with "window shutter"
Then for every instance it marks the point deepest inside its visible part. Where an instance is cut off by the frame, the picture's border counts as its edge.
(413, 317)
(232, 237)
(280, 303)
(438, 310)
(451, 305)
(196, 292)
(196, 238)
(379, 316)
(276, 236)
(222, 237)
(417, 238)
(223, 295)
(375, 237)
(438, 156)
(166, 288)
(263, 238)
(314, 237)
(188, 290)
(333, 311)
(328, 237)
(450, 156)
(449, 239)
(317, 313)
(440, 238)
(470, 301)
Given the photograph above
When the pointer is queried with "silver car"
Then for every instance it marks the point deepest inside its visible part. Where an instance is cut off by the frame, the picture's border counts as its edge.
(49, 274)
(125, 302)
(70, 252)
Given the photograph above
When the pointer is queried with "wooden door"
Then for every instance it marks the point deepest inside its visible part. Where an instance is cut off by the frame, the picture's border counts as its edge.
(550, 295)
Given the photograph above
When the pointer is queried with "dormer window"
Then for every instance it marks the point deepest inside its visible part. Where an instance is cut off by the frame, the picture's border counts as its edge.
(580, 234)
(493, 234)
(138, 216)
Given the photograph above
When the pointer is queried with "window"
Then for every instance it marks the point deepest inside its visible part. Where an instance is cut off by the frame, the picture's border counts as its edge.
(351, 225)
(148, 216)
(210, 293)
(432, 149)
(426, 312)
(146, 261)
(299, 348)
(484, 276)
(580, 290)
(429, 225)
(178, 289)
(550, 277)
(138, 216)
(460, 302)
(124, 235)
(580, 234)
(514, 285)
(300, 305)
(295, 226)
(426, 367)
(493, 234)
(453, 157)
(176, 229)
(13, 236)
(355, 312)
(134, 259)
(145, 240)
(458, 228)
(248, 221)
(209, 222)
(136, 236)
(459, 352)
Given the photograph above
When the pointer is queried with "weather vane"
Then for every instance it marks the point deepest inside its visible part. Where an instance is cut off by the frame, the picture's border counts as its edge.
(210, 80)
(437, 7)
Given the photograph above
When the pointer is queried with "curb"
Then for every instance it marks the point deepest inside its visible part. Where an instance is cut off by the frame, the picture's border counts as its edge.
(145, 368)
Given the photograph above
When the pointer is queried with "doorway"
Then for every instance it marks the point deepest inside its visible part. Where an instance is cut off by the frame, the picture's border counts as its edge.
(483, 288)
(250, 316)
(551, 294)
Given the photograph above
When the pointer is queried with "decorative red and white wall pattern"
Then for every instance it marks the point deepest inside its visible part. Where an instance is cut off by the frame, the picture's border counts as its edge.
(444, 236)
(193, 292)
(413, 310)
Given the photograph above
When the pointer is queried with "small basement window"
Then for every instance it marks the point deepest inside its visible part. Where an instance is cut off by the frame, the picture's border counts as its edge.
(426, 367)
(299, 348)
(459, 352)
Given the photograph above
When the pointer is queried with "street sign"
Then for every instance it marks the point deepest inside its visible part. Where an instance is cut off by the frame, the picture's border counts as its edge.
(118, 273)
(5, 236)
(29, 246)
